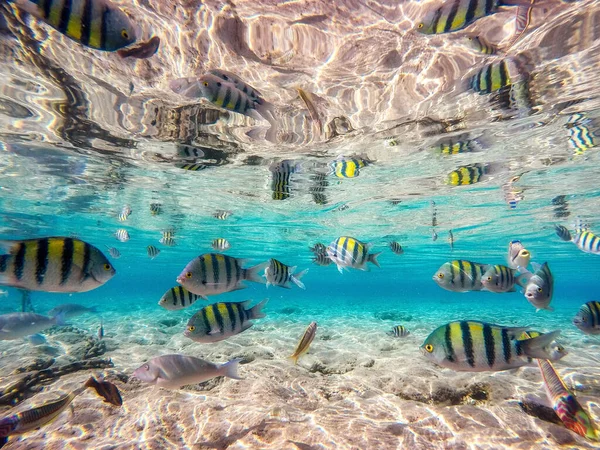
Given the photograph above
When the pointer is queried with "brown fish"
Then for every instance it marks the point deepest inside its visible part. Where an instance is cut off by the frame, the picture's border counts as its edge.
(141, 51)
(105, 389)
(305, 342)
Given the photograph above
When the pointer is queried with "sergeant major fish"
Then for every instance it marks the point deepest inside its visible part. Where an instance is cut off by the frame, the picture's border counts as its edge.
(481, 45)
(474, 346)
(53, 264)
(584, 239)
(493, 77)
(122, 235)
(152, 251)
(318, 248)
(124, 214)
(588, 318)
(540, 286)
(279, 274)
(221, 244)
(460, 276)
(346, 252)
(113, 252)
(399, 331)
(321, 259)
(305, 341)
(465, 175)
(499, 278)
(214, 273)
(348, 167)
(219, 321)
(396, 248)
(177, 298)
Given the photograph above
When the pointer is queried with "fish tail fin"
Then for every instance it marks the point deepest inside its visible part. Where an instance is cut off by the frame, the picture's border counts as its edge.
(296, 279)
(253, 273)
(230, 369)
(537, 347)
(373, 258)
(256, 310)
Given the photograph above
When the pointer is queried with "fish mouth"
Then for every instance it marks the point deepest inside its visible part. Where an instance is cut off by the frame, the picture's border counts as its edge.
(180, 279)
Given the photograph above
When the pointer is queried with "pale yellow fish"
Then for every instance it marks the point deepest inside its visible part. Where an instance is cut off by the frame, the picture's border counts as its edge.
(305, 342)
(314, 114)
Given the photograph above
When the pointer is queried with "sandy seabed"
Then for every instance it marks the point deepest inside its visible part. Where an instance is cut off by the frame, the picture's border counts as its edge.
(358, 388)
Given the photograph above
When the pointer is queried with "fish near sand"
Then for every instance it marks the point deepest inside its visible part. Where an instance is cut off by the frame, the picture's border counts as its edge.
(19, 325)
(106, 390)
(71, 310)
(305, 341)
(588, 318)
(175, 371)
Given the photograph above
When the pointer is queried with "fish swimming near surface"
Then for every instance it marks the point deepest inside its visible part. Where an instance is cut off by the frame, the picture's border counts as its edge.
(312, 109)
(214, 273)
(451, 239)
(190, 152)
(222, 215)
(305, 341)
(221, 244)
(347, 252)
(480, 45)
(155, 209)
(192, 167)
(70, 310)
(512, 194)
(168, 238)
(321, 259)
(240, 84)
(499, 278)
(399, 331)
(348, 167)
(434, 235)
(518, 256)
(98, 24)
(113, 252)
(106, 390)
(465, 175)
(34, 418)
(122, 235)
(588, 318)
(279, 274)
(460, 276)
(3, 293)
(493, 77)
(539, 287)
(142, 50)
(124, 214)
(53, 264)
(19, 325)
(220, 321)
(152, 251)
(175, 371)
(561, 207)
(475, 346)
(396, 248)
(583, 133)
(319, 248)
(177, 298)
(585, 240)
(457, 145)
(281, 178)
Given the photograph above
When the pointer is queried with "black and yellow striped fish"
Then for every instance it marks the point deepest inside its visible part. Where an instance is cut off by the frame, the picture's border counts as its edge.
(124, 214)
(474, 346)
(321, 259)
(466, 175)
(396, 248)
(347, 251)
(318, 248)
(238, 83)
(454, 147)
(455, 15)
(481, 45)
(168, 238)
(177, 298)
(122, 235)
(584, 239)
(152, 251)
(280, 274)
(581, 137)
(281, 179)
(155, 209)
(221, 244)
(219, 321)
(348, 167)
(499, 278)
(194, 167)
(98, 24)
(227, 95)
(399, 331)
(53, 264)
(492, 77)
(305, 341)
(460, 276)
(588, 318)
(222, 214)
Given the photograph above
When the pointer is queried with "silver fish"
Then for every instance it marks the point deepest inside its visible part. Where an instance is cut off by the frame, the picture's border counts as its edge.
(177, 298)
(122, 235)
(540, 286)
(19, 325)
(71, 310)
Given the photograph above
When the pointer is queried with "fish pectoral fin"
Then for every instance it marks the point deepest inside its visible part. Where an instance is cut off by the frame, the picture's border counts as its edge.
(246, 326)
(214, 331)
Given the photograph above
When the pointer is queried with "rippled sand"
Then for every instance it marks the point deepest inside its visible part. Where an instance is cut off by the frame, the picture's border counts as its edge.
(357, 388)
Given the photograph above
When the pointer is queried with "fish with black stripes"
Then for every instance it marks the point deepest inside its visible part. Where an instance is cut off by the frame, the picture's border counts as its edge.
(98, 24)
(321, 259)
(186, 151)
(583, 133)
(319, 248)
(193, 167)
(493, 77)
(584, 239)
(456, 146)
(396, 248)
(125, 213)
(214, 273)
(168, 238)
(304, 344)
(220, 321)
(518, 256)
(152, 251)
(347, 252)
(460, 276)
(221, 244)
(398, 331)
(122, 235)
(475, 346)
(454, 15)
(587, 318)
(466, 175)
(177, 298)
(53, 264)
(155, 209)
(113, 252)
(280, 274)
(34, 418)
(539, 286)
(222, 214)
(482, 46)
(348, 166)
(281, 178)
(499, 278)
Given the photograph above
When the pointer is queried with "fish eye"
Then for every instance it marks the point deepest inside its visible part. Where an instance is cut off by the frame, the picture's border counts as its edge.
(560, 348)
(191, 328)
(539, 289)
(188, 275)
(218, 83)
(440, 275)
(146, 367)
(429, 348)
(205, 83)
(421, 25)
(106, 266)
(489, 278)
(124, 33)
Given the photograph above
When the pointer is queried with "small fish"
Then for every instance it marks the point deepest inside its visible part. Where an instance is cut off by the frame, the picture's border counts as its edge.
(281, 174)
(168, 238)
(37, 339)
(195, 167)
(540, 286)
(53, 264)
(222, 215)
(278, 274)
(499, 278)
(100, 332)
(305, 341)
(122, 235)
(35, 418)
(474, 346)
(155, 209)
(321, 259)
(518, 256)
(3, 293)
(480, 45)
(113, 252)
(433, 215)
(318, 249)
(214, 273)
(98, 24)
(219, 321)
(512, 195)
(466, 175)
(175, 371)
(565, 404)
(238, 83)
(348, 167)
(399, 331)
(19, 325)
(221, 244)
(152, 251)
(312, 109)
(396, 248)
(124, 214)
(460, 276)
(492, 77)
(561, 207)
(177, 298)
(588, 318)
(347, 252)
(584, 239)
(581, 136)
(142, 50)
(106, 390)
(451, 239)
(452, 147)
(434, 235)
(70, 310)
